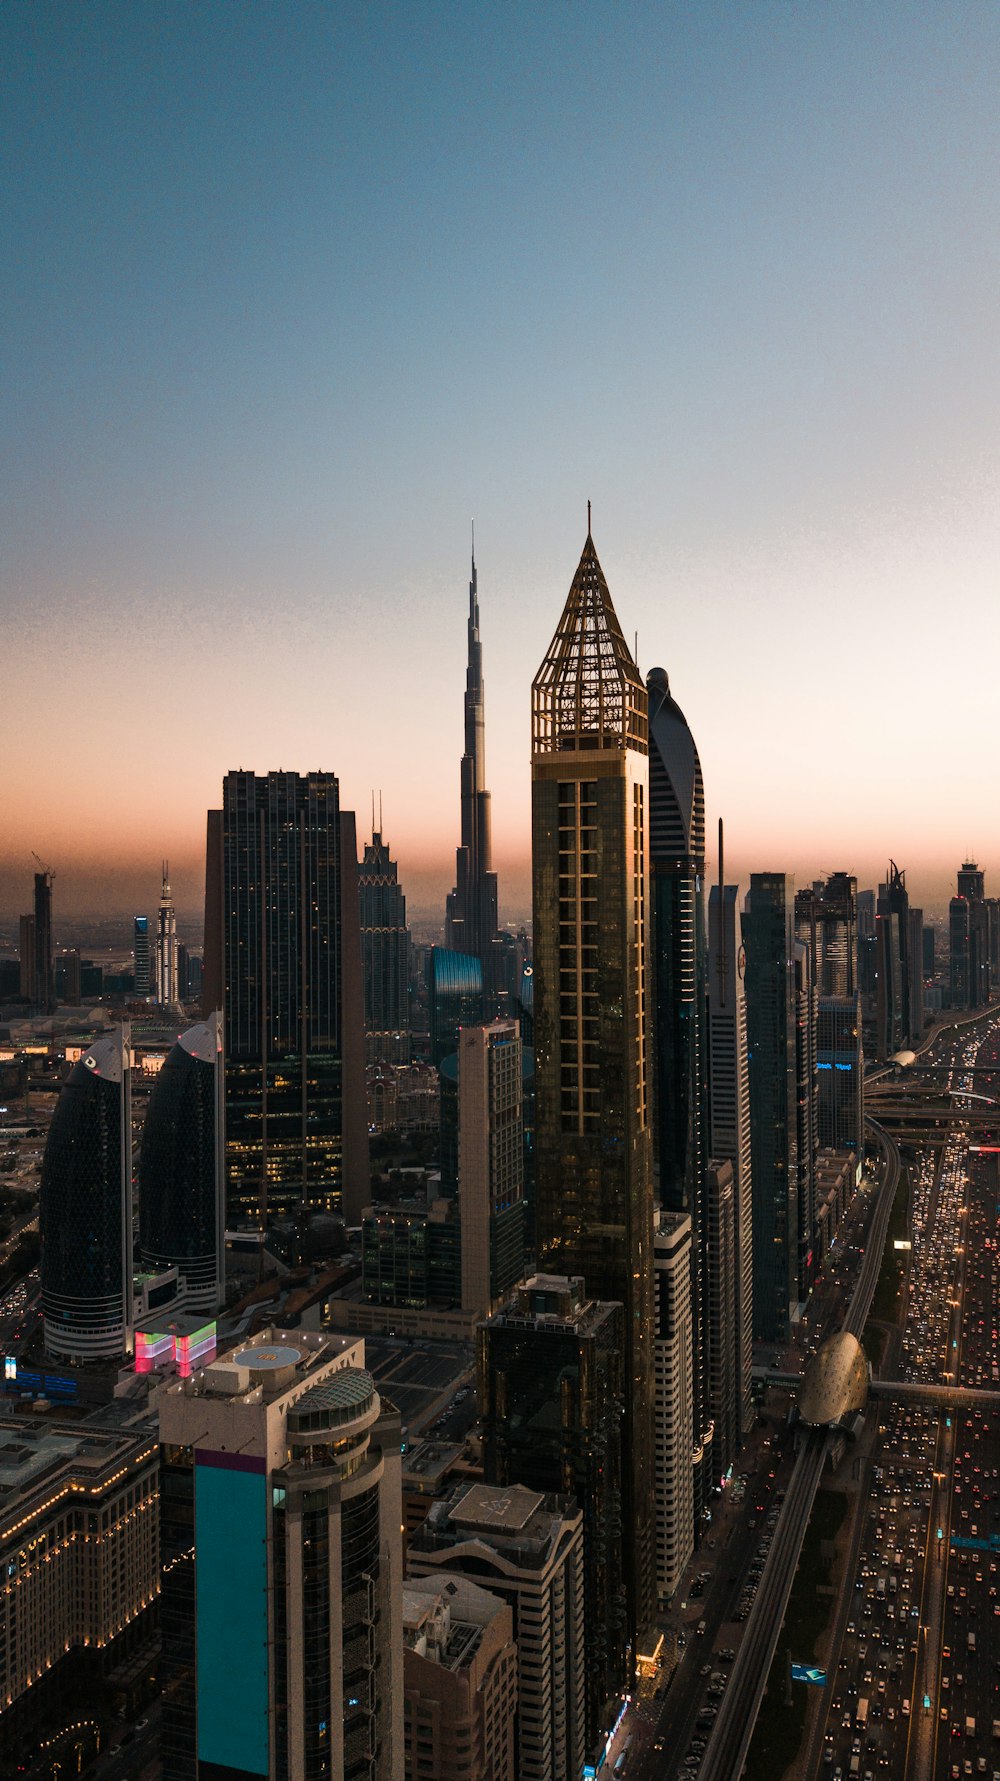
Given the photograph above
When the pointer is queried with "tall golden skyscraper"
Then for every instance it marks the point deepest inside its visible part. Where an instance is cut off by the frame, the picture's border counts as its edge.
(594, 1195)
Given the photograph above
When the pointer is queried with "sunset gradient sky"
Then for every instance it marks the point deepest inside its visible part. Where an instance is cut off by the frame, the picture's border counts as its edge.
(292, 292)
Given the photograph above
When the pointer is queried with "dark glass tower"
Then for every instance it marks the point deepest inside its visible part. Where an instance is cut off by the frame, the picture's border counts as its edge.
(593, 1163)
(296, 1119)
(771, 1048)
(181, 1206)
(471, 910)
(385, 946)
(45, 979)
(550, 1398)
(85, 1208)
(455, 996)
(895, 966)
(679, 949)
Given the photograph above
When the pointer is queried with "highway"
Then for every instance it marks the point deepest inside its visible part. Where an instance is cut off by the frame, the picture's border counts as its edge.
(727, 1747)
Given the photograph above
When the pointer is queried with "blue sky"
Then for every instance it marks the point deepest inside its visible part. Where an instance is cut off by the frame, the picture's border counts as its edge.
(291, 292)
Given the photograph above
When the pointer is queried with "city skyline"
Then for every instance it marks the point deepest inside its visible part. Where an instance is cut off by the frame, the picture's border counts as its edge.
(295, 296)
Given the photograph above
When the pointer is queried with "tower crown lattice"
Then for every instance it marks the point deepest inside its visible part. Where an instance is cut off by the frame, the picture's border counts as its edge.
(588, 692)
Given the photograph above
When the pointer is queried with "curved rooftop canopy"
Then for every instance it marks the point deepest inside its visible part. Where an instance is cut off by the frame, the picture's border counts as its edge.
(836, 1381)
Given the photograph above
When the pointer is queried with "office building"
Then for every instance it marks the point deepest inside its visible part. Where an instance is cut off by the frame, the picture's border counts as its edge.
(411, 1256)
(526, 1548)
(593, 1151)
(385, 950)
(724, 1408)
(826, 920)
(471, 910)
(840, 1068)
(142, 974)
(929, 941)
(69, 977)
(772, 1013)
(550, 1398)
(459, 1682)
(675, 1530)
(282, 883)
(45, 979)
(969, 933)
(282, 1566)
(26, 959)
(181, 1198)
(456, 998)
(729, 1110)
(678, 949)
(85, 1207)
(806, 1103)
(167, 972)
(79, 1547)
(896, 965)
(490, 1163)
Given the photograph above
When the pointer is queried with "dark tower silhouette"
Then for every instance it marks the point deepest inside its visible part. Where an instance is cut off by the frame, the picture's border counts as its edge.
(45, 977)
(679, 948)
(85, 1207)
(181, 1202)
(471, 910)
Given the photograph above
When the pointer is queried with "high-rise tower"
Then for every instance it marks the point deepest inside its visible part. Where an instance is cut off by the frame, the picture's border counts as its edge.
(385, 953)
(593, 1181)
(181, 1200)
(45, 976)
(166, 946)
(85, 1207)
(471, 911)
(284, 889)
(678, 948)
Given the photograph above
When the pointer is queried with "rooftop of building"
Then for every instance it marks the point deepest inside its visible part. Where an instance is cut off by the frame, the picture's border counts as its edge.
(37, 1456)
(444, 1618)
(267, 1366)
(520, 1525)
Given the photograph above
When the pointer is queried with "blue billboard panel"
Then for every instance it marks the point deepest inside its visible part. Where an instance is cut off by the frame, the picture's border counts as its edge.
(809, 1673)
(230, 1530)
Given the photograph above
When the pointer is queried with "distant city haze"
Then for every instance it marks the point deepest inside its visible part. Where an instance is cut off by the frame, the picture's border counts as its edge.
(296, 293)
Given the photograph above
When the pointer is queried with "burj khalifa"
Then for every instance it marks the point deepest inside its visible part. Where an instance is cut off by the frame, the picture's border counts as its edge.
(471, 910)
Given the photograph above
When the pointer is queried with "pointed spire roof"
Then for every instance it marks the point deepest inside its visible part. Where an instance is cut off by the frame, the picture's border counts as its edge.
(588, 692)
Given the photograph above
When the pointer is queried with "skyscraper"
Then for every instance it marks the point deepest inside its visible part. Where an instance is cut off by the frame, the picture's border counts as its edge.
(143, 972)
(181, 1198)
(729, 1109)
(678, 948)
(385, 948)
(895, 965)
(674, 1422)
(593, 1163)
(771, 1049)
(282, 1566)
(167, 988)
(490, 1164)
(85, 1207)
(471, 910)
(550, 1401)
(296, 1116)
(26, 959)
(45, 979)
(968, 924)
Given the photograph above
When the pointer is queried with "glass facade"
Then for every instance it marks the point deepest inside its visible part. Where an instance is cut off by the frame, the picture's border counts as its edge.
(179, 1189)
(551, 1400)
(455, 994)
(385, 944)
(85, 1207)
(178, 1737)
(284, 983)
(771, 1068)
